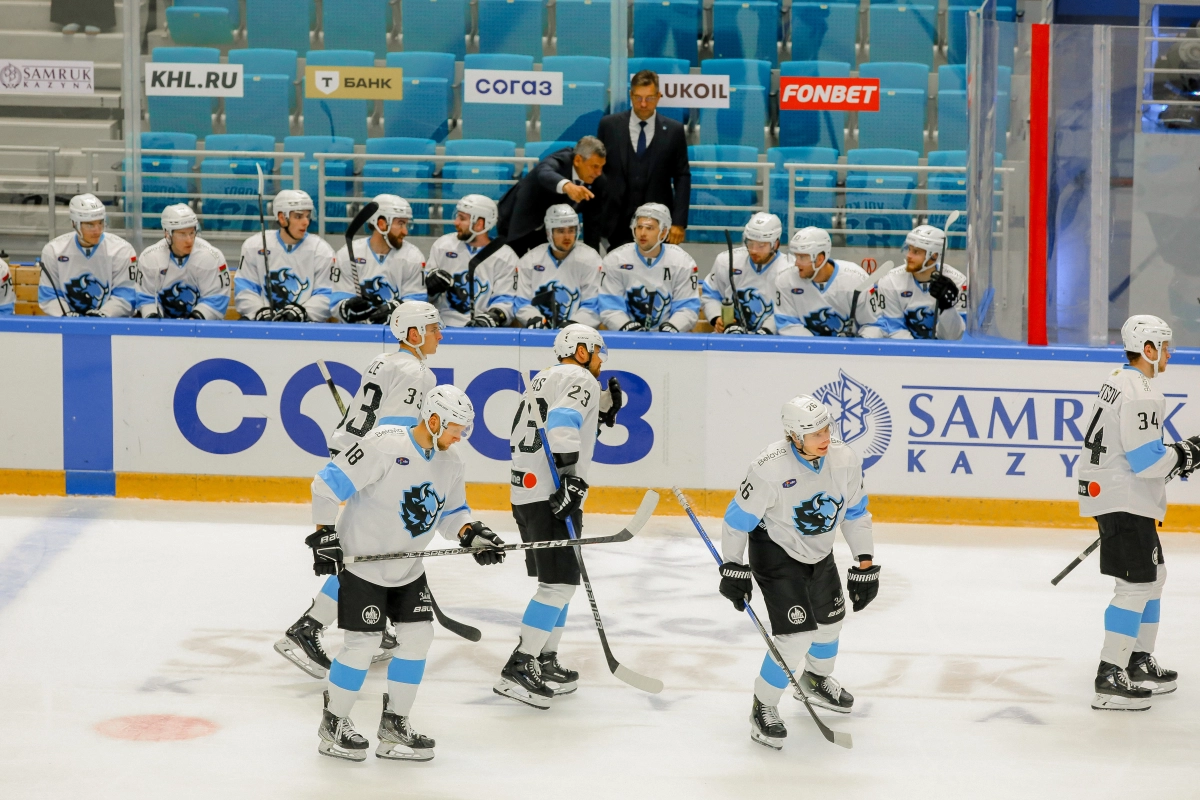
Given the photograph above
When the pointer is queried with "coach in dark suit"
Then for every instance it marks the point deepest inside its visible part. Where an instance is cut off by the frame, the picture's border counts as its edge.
(647, 162)
(568, 176)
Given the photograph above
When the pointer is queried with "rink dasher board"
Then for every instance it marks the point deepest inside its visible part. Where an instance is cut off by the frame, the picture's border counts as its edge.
(106, 401)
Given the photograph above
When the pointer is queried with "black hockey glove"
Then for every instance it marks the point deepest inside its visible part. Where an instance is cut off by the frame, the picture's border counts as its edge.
(264, 314)
(764, 332)
(611, 401)
(290, 312)
(537, 324)
(568, 497)
(863, 585)
(633, 326)
(734, 329)
(327, 550)
(382, 314)
(479, 535)
(735, 584)
(356, 309)
(438, 281)
(1189, 456)
(196, 315)
(667, 327)
(943, 290)
(154, 315)
(494, 318)
(93, 312)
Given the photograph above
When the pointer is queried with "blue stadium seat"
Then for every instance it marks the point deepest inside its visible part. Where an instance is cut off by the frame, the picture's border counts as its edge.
(871, 218)
(200, 25)
(310, 174)
(825, 32)
(423, 113)
(155, 180)
(540, 150)
(593, 69)
(954, 76)
(511, 26)
(582, 27)
(663, 66)
(952, 119)
(438, 26)
(956, 33)
(950, 193)
(421, 64)
(718, 178)
(267, 61)
(234, 7)
(459, 177)
(899, 122)
(280, 23)
(409, 179)
(237, 179)
(666, 29)
(346, 25)
(183, 114)
(262, 109)
(741, 71)
(744, 29)
(338, 117)
(814, 188)
(743, 123)
(813, 128)
(495, 121)
(893, 75)
(909, 33)
(167, 140)
(579, 115)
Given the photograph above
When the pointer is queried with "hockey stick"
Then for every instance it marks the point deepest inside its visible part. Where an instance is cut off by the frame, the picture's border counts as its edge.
(872, 279)
(262, 226)
(623, 536)
(1078, 560)
(57, 294)
(950, 220)
(837, 737)
(484, 254)
(356, 224)
(454, 626)
(649, 502)
(738, 317)
(337, 398)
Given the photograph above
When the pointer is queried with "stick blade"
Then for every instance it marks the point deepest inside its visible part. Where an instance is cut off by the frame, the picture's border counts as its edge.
(648, 685)
(644, 512)
(843, 739)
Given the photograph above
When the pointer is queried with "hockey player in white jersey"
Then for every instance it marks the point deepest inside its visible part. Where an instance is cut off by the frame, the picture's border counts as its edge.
(182, 276)
(88, 272)
(393, 388)
(796, 493)
(756, 265)
(816, 298)
(919, 301)
(567, 402)
(8, 296)
(447, 267)
(559, 282)
(416, 470)
(1123, 475)
(299, 285)
(647, 284)
(390, 270)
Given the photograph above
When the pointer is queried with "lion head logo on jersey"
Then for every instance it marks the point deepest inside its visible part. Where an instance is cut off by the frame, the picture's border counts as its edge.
(556, 302)
(285, 286)
(458, 296)
(919, 321)
(178, 300)
(420, 509)
(379, 289)
(646, 307)
(825, 322)
(816, 515)
(755, 308)
(85, 293)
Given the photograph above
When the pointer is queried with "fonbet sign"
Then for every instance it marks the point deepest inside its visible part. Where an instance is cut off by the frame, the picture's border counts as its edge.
(829, 94)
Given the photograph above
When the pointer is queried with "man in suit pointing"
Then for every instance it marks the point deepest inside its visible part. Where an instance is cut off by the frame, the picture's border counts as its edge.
(647, 162)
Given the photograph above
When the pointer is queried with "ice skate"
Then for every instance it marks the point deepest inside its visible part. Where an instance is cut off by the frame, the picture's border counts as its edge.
(1115, 692)
(387, 648)
(397, 739)
(521, 680)
(338, 737)
(301, 645)
(766, 727)
(1144, 671)
(824, 691)
(565, 680)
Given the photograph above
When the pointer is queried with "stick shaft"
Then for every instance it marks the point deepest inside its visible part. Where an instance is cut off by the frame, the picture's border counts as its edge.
(1079, 559)
(459, 551)
(57, 294)
(337, 397)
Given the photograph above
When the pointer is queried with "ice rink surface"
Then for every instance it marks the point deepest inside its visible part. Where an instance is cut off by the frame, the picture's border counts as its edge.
(137, 662)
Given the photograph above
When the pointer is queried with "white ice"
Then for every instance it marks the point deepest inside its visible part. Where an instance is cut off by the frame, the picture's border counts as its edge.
(972, 674)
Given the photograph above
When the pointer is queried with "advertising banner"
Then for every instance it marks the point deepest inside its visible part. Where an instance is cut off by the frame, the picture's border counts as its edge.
(194, 80)
(512, 87)
(354, 83)
(829, 94)
(25, 76)
(694, 91)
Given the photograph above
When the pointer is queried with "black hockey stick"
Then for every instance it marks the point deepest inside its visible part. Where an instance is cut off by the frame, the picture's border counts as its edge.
(262, 226)
(649, 502)
(872, 279)
(837, 737)
(623, 536)
(356, 225)
(1078, 560)
(950, 220)
(548, 297)
(738, 317)
(57, 294)
(453, 625)
(337, 397)
(484, 254)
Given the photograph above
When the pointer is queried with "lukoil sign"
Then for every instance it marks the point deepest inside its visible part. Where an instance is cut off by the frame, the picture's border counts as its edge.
(694, 91)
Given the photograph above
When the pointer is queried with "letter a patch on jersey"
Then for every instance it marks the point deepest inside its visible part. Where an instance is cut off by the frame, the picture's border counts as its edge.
(420, 509)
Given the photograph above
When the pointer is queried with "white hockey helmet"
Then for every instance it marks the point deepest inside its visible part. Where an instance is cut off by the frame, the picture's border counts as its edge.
(414, 314)
(763, 227)
(657, 212)
(811, 242)
(477, 206)
(289, 200)
(390, 207)
(1142, 328)
(560, 215)
(86, 208)
(575, 334)
(927, 238)
(452, 405)
(804, 414)
(178, 217)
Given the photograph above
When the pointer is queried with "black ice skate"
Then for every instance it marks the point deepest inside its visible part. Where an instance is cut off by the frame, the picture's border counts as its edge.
(823, 691)
(766, 727)
(301, 645)
(1145, 672)
(397, 739)
(565, 680)
(338, 737)
(521, 680)
(1115, 692)
(387, 648)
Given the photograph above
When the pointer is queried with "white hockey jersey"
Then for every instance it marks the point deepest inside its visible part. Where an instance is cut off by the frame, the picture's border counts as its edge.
(385, 471)
(393, 388)
(1124, 464)
(495, 280)
(564, 400)
(398, 275)
(103, 278)
(8, 295)
(663, 289)
(755, 288)
(906, 310)
(174, 289)
(800, 505)
(807, 308)
(300, 274)
(574, 284)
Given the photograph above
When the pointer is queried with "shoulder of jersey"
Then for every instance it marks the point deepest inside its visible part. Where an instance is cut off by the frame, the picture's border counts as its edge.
(897, 277)
(155, 248)
(448, 241)
(954, 275)
(622, 254)
(60, 242)
(211, 249)
(391, 439)
(582, 249)
(507, 252)
(411, 250)
(114, 242)
(678, 253)
(321, 246)
(849, 268)
(772, 454)
(842, 454)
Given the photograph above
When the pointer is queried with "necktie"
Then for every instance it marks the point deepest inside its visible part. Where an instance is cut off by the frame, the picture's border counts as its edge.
(641, 148)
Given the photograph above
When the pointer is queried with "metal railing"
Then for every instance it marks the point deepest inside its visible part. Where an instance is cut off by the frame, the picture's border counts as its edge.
(50, 180)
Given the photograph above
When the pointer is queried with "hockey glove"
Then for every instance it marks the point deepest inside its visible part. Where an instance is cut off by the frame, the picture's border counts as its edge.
(764, 332)
(633, 326)
(1189, 456)
(863, 585)
(734, 329)
(327, 550)
(154, 315)
(943, 290)
(568, 497)
(479, 535)
(438, 281)
(537, 324)
(382, 314)
(290, 312)
(93, 312)
(494, 318)
(196, 315)
(667, 327)
(735, 584)
(611, 401)
(356, 309)
(264, 314)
